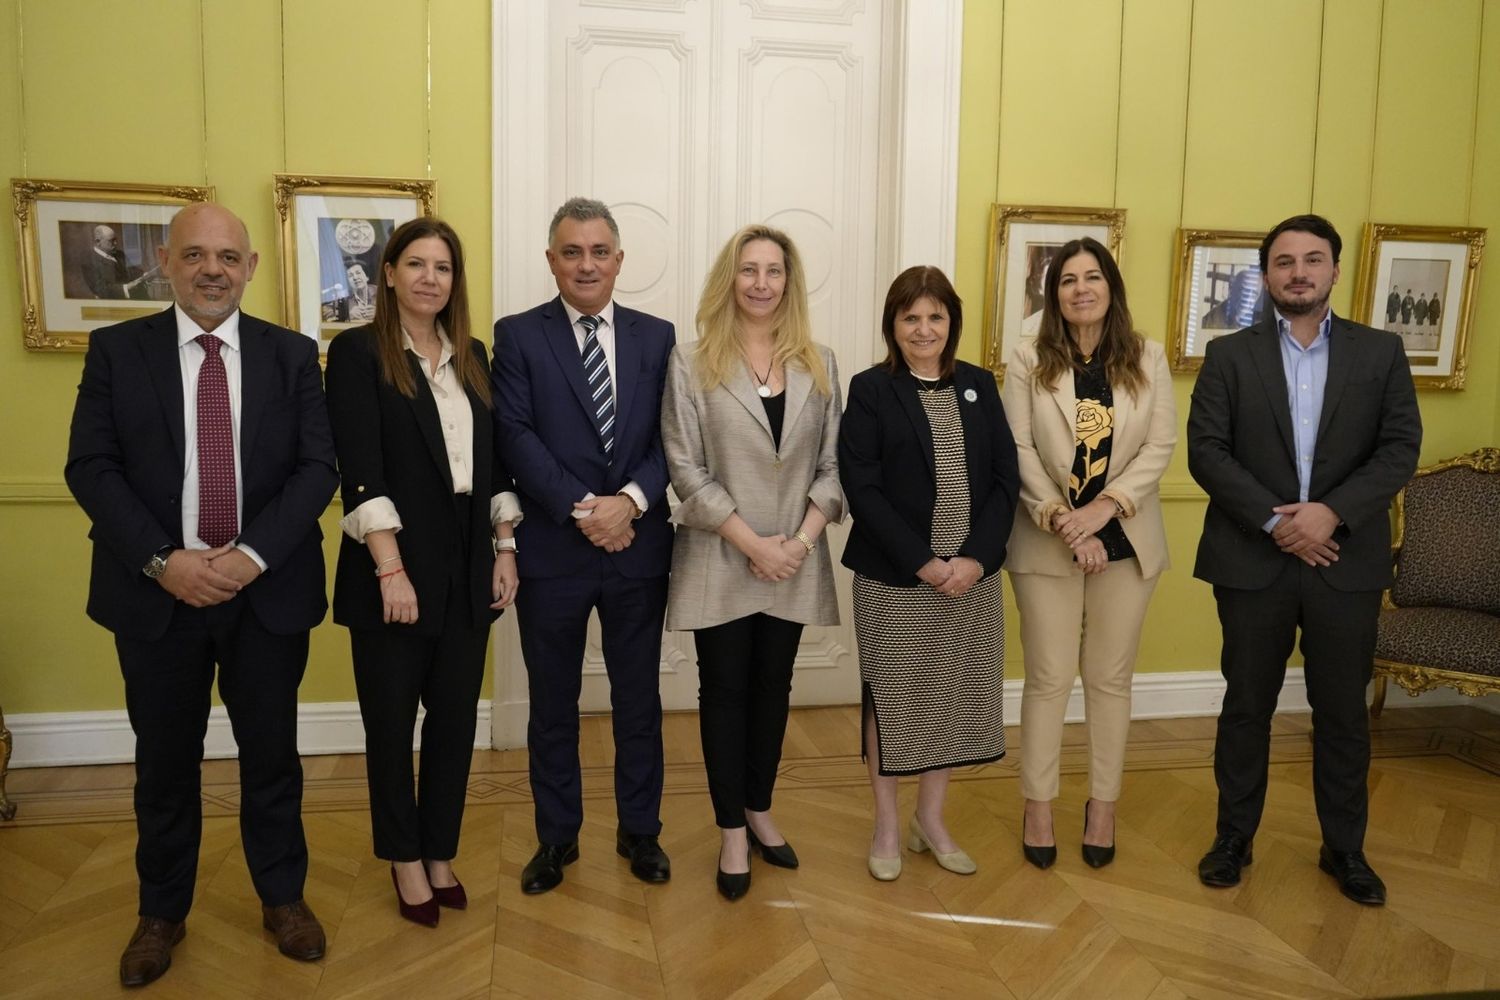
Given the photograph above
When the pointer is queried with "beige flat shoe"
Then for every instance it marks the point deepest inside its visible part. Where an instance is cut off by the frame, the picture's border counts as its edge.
(885, 869)
(957, 862)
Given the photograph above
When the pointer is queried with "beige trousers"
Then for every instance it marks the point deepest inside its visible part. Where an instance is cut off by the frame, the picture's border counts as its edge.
(1072, 625)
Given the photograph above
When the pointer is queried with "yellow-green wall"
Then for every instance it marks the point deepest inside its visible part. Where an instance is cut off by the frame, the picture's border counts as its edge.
(1210, 113)
(220, 93)
(1223, 114)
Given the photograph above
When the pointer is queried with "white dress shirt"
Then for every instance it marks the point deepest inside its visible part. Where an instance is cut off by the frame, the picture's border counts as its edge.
(605, 334)
(190, 360)
(456, 420)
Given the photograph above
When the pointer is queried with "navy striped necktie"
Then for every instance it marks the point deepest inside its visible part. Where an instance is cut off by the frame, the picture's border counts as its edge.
(596, 373)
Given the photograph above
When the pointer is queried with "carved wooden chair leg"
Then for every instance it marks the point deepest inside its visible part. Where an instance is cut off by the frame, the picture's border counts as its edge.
(1378, 702)
(7, 807)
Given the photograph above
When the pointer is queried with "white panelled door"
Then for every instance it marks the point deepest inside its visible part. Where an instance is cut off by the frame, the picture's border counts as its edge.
(691, 118)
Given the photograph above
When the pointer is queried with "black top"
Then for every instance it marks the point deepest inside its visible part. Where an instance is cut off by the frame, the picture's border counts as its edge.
(1096, 403)
(888, 469)
(776, 414)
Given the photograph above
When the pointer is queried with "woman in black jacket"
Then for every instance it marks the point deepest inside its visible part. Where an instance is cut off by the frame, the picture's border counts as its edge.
(928, 465)
(419, 580)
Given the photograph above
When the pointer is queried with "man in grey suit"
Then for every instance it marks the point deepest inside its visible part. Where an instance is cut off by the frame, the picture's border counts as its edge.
(1302, 429)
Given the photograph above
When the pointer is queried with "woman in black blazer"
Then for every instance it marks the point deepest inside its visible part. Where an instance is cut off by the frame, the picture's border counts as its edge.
(929, 468)
(419, 580)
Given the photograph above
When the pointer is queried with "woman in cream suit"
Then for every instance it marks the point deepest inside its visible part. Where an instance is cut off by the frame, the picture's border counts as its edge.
(750, 425)
(1090, 403)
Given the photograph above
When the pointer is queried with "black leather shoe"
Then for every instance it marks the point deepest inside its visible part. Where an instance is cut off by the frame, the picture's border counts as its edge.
(648, 862)
(781, 855)
(544, 871)
(734, 886)
(1220, 867)
(1356, 878)
(1093, 855)
(1042, 857)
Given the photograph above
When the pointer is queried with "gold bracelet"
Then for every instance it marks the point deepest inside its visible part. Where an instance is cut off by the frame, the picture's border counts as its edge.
(801, 536)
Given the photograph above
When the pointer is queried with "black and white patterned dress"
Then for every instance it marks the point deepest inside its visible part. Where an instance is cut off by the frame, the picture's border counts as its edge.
(932, 665)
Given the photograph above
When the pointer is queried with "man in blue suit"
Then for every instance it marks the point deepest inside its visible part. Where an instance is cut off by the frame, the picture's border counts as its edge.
(578, 386)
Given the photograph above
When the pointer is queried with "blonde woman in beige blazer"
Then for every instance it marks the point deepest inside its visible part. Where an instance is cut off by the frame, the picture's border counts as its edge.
(750, 425)
(1090, 403)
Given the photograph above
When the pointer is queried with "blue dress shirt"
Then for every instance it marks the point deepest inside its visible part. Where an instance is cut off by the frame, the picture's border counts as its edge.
(1306, 370)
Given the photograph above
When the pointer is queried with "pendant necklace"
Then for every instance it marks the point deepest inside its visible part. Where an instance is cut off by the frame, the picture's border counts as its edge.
(763, 388)
(922, 382)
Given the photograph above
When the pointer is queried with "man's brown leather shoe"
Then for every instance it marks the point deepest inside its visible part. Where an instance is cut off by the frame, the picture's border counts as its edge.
(149, 952)
(298, 933)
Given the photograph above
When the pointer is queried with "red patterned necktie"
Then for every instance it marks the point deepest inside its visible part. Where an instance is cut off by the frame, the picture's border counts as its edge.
(217, 522)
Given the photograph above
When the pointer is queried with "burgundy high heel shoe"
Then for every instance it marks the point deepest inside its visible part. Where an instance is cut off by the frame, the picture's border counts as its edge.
(451, 896)
(425, 913)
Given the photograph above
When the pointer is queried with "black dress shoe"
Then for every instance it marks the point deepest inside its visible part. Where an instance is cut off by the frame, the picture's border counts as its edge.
(1356, 878)
(734, 886)
(1093, 855)
(1220, 867)
(1042, 857)
(648, 862)
(781, 855)
(544, 871)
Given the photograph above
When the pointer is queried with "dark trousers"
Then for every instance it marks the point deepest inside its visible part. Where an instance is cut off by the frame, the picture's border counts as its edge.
(1338, 649)
(744, 690)
(167, 686)
(553, 617)
(394, 670)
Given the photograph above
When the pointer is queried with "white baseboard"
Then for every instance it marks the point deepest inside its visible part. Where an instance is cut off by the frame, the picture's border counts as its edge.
(1185, 694)
(50, 739)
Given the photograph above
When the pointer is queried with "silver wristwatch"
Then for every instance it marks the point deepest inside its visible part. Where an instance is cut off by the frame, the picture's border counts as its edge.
(504, 545)
(158, 562)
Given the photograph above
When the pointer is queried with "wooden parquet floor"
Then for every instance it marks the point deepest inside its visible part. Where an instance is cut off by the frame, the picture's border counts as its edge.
(1141, 928)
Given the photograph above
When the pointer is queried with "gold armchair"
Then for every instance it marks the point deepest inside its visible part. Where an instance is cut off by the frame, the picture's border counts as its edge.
(7, 807)
(1440, 619)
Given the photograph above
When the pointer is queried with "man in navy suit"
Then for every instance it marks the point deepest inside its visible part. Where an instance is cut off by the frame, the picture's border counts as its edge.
(1302, 429)
(578, 386)
(201, 452)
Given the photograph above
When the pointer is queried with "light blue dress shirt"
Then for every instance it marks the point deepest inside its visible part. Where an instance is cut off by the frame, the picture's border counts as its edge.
(1306, 370)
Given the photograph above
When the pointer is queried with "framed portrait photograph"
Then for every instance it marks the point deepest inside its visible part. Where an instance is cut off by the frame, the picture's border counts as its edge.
(1024, 239)
(333, 231)
(1418, 282)
(88, 255)
(1216, 289)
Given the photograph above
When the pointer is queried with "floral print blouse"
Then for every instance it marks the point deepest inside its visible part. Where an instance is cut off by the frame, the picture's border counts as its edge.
(1093, 427)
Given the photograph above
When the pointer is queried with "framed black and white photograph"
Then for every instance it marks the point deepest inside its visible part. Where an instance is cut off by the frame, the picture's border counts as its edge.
(88, 255)
(1023, 241)
(333, 231)
(1418, 282)
(1216, 289)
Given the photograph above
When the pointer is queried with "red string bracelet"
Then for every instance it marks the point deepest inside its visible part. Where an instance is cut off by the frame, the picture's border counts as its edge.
(398, 569)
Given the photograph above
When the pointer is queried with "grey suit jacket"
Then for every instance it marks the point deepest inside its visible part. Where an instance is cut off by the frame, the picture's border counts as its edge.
(722, 461)
(1143, 436)
(1240, 449)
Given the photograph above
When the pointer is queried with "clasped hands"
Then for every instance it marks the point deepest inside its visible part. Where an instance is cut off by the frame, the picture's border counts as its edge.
(776, 557)
(951, 577)
(1306, 531)
(205, 577)
(609, 524)
(1077, 528)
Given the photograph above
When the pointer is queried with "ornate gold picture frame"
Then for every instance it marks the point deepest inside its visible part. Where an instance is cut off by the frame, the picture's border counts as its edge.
(1216, 289)
(1023, 239)
(333, 231)
(1418, 282)
(88, 255)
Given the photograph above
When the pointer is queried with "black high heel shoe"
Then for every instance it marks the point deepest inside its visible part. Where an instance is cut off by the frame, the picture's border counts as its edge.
(1042, 857)
(781, 855)
(1093, 855)
(733, 886)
